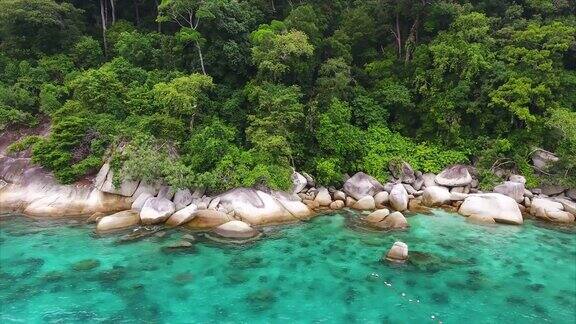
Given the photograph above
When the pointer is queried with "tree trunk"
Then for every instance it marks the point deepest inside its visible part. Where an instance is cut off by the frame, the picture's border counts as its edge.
(398, 35)
(201, 57)
(113, 11)
(159, 23)
(137, 12)
(103, 17)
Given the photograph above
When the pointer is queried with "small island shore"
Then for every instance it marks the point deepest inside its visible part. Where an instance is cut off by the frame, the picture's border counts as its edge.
(32, 191)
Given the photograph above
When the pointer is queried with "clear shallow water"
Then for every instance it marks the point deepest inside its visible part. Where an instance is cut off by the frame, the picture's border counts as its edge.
(322, 271)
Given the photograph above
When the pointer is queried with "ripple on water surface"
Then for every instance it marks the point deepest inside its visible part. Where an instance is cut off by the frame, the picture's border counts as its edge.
(320, 271)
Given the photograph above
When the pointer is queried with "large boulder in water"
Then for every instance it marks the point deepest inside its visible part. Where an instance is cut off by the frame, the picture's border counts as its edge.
(398, 253)
(118, 221)
(156, 210)
(361, 185)
(256, 207)
(454, 176)
(398, 197)
(502, 209)
(514, 190)
(436, 196)
(236, 229)
(550, 210)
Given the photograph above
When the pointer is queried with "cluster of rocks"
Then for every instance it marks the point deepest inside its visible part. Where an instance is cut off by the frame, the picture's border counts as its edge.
(33, 191)
(232, 214)
(360, 192)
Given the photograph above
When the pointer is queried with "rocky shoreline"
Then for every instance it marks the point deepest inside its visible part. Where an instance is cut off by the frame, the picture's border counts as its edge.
(236, 214)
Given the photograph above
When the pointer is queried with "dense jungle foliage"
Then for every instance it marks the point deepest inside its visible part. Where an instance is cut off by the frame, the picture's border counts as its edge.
(224, 93)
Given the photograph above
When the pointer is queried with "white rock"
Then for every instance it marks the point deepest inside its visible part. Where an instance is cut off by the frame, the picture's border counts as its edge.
(104, 181)
(381, 199)
(214, 203)
(501, 208)
(454, 176)
(298, 182)
(429, 179)
(337, 204)
(382, 219)
(140, 201)
(323, 197)
(550, 210)
(514, 190)
(517, 178)
(236, 229)
(366, 203)
(257, 207)
(182, 198)
(166, 192)
(182, 216)
(436, 196)
(119, 221)
(542, 158)
(399, 198)
(156, 210)
(361, 185)
(339, 195)
(398, 252)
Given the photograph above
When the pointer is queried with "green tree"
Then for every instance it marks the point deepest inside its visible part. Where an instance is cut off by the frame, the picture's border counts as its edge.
(29, 28)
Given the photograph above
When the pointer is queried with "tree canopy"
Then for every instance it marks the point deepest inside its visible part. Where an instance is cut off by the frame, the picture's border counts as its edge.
(224, 93)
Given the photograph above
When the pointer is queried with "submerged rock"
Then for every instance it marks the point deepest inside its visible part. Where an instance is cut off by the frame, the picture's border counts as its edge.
(86, 265)
(236, 229)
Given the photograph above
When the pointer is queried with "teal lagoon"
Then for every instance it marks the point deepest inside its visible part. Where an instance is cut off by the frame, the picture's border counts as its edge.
(326, 270)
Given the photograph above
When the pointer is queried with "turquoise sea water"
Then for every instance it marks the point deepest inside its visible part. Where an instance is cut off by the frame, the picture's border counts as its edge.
(323, 271)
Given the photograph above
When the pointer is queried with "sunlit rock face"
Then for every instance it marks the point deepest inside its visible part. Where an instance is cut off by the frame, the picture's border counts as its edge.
(34, 191)
(256, 207)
